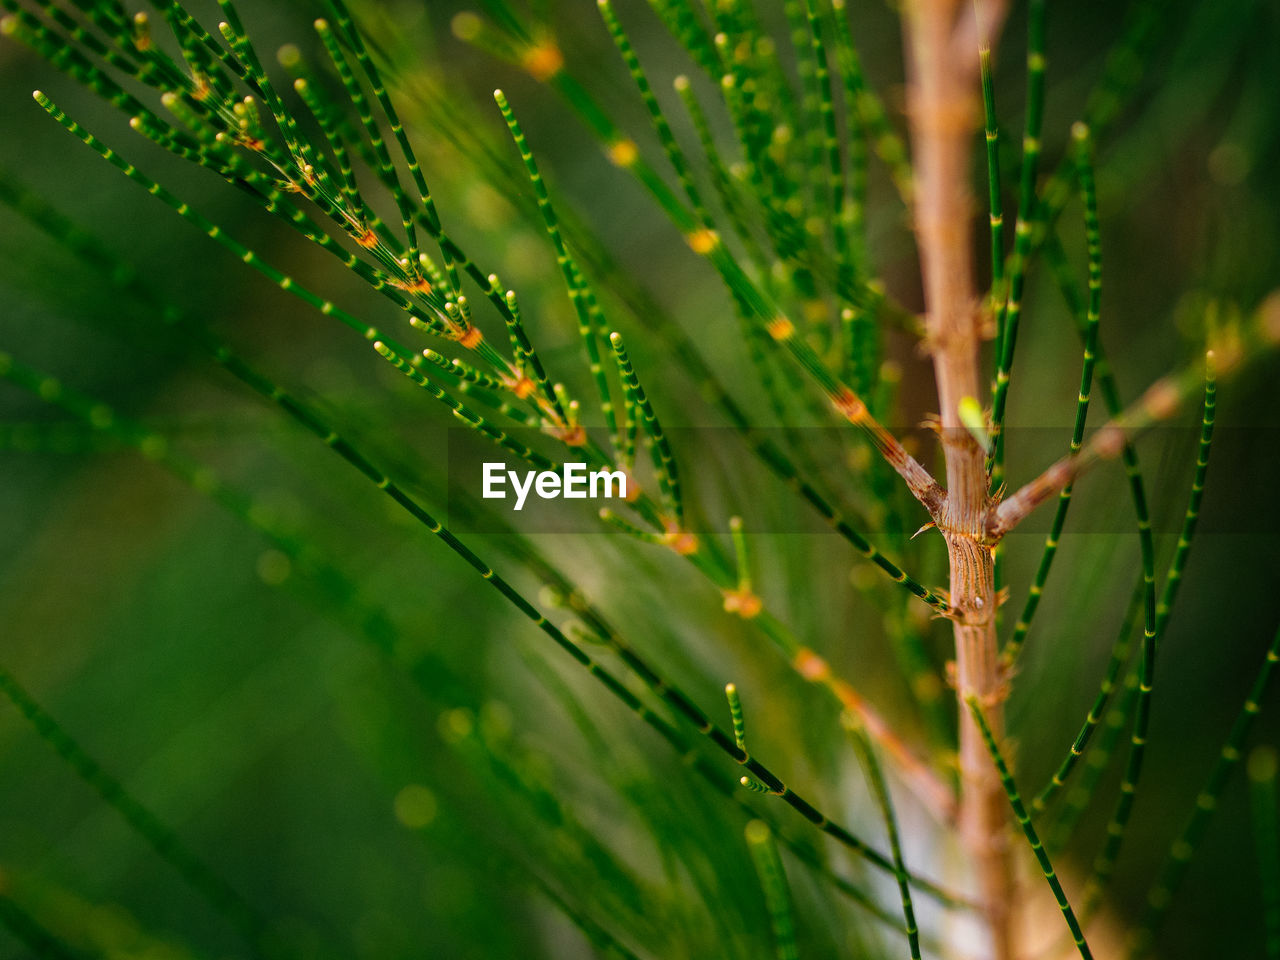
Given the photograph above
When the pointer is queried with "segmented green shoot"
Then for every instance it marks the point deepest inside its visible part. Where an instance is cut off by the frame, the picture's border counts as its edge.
(353, 38)
(579, 293)
(735, 714)
(773, 880)
(305, 168)
(1007, 322)
(1160, 896)
(836, 188)
(742, 600)
(1104, 864)
(1121, 650)
(1079, 797)
(1265, 802)
(623, 525)
(683, 22)
(525, 353)
(319, 109)
(740, 732)
(726, 189)
(1093, 314)
(1024, 821)
(1191, 517)
(786, 470)
(875, 775)
(675, 155)
(472, 419)
(995, 202)
(849, 69)
(664, 463)
(464, 371)
(754, 340)
(1115, 408)
(283, 281)
(807, 73)
(385, 169)
(886, 142)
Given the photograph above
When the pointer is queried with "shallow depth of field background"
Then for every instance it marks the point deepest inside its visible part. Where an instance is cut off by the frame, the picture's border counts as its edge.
(362, 817)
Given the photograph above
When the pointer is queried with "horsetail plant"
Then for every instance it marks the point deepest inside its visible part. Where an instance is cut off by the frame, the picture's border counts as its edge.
(505, 306)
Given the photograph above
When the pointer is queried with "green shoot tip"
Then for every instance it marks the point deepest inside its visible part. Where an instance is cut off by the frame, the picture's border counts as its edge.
(975, 421)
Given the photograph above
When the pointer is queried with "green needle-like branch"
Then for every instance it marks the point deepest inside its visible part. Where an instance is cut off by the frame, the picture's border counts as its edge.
(1024, 820)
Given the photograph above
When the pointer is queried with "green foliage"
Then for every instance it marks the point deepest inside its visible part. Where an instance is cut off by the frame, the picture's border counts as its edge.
(554, 777)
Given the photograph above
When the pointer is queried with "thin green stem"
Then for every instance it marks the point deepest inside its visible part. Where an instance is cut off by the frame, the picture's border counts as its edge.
(1024, 821)
(875, 775)
(664, 464)
(773, 880)
(1121, 650)
(1104, 864)
(1007, 322)
(1265, 802)
(1093, 314)
(1160, 896)
(579, 292)
(995, 201)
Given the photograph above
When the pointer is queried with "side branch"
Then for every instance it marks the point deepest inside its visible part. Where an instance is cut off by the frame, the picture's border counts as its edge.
(1160, 402)
(919, 480)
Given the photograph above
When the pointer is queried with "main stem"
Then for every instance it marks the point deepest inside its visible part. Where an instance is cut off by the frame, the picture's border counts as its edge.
(942, 102)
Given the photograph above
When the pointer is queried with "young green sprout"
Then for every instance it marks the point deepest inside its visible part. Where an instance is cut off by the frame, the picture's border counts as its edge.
(741, 600)
(740, 733)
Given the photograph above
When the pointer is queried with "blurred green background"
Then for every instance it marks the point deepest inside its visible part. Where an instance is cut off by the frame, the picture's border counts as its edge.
(232, 695)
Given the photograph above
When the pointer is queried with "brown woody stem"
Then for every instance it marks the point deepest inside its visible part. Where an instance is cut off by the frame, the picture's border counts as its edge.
(942, 102)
